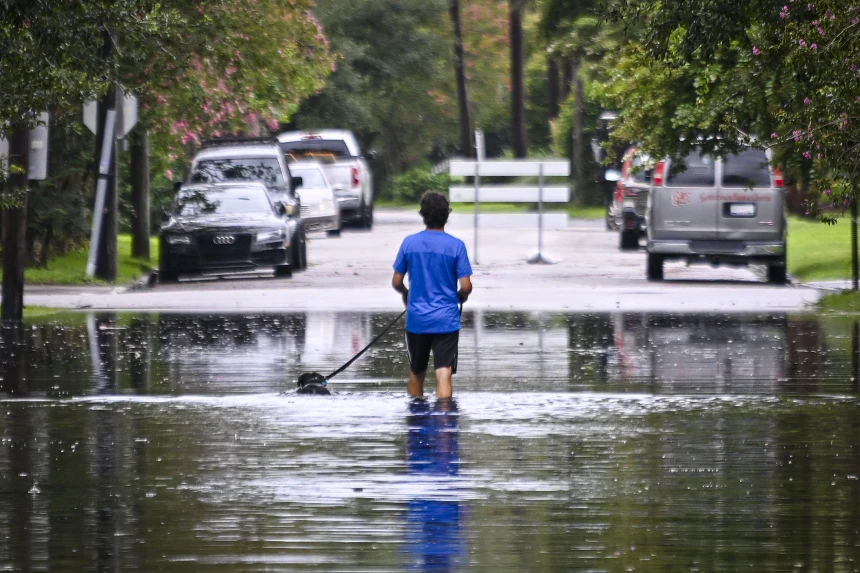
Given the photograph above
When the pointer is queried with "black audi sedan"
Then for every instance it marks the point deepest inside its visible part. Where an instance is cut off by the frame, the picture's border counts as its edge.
(225, 227)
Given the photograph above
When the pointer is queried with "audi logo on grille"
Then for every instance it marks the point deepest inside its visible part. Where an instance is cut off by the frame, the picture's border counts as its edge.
(224, 240)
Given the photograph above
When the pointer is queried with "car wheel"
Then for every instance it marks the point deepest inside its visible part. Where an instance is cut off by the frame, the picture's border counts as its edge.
(776, 274)
(168, 276)
(655, 267)
(629, 240)
(304, 244)
(297, 250)
(284, 271)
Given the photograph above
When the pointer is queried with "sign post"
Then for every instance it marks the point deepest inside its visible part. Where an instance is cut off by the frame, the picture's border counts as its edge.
(481, 151)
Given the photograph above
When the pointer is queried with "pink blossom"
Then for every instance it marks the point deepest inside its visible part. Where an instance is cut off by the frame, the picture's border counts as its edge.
(273, 124)
(756, 51)
(802, 42)
(827, 192)
(773, 135)
(168, 173)
(807, 155)
(806, 101)
(814, 46)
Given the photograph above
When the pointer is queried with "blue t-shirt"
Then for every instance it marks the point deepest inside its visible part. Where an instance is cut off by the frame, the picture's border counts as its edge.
(434, 261)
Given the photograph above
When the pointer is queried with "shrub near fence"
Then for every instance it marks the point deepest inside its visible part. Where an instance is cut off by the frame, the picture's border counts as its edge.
(410, 185)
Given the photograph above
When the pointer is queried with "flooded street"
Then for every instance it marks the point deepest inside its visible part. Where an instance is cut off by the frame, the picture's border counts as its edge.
(576, 442)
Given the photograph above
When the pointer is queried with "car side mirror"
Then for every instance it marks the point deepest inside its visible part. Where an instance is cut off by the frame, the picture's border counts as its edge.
(280, 208)
(296, 182)
(177, 185)
(612, 175)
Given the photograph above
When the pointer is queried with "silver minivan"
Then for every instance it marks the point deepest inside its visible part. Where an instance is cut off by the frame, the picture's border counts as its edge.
(722, 211)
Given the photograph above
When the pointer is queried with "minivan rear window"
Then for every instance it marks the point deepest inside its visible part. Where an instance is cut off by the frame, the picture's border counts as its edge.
(699, 172)
(746, 169)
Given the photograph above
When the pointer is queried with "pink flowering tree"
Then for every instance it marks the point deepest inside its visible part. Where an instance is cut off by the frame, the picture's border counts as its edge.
(244, 67)
(820, 42)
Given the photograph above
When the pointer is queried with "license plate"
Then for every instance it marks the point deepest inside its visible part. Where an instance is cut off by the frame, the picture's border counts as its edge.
(742, 210)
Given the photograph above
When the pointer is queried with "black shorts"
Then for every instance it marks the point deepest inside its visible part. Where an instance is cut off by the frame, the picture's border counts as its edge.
(444, 347)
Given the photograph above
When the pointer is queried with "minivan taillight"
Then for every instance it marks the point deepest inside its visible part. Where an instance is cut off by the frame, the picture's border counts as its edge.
(355, 176)
(777, 178)
(659, 169)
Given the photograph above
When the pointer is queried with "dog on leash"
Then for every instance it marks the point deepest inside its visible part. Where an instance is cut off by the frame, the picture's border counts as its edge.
(312, 383)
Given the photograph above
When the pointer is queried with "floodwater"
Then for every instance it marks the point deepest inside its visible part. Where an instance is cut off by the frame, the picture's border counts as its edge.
(622, 442)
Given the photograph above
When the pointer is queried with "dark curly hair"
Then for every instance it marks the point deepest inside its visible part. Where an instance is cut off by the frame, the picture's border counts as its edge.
(434, 209)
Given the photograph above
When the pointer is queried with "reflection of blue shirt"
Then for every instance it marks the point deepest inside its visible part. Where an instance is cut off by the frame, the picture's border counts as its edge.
(435, 261)
(435, 530)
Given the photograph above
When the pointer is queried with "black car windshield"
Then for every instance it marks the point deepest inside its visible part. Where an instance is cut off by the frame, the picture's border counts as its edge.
(319, 149)
(264, 169)
(230, 200)
(311, 178)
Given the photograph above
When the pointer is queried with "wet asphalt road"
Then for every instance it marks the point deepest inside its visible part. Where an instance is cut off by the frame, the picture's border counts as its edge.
(353, 272)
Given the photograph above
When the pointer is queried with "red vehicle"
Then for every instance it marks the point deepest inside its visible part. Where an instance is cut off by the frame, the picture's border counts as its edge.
(631, 198)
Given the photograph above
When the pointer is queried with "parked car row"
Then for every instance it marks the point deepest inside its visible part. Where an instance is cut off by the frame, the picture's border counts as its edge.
(703, 209)
(249, 202)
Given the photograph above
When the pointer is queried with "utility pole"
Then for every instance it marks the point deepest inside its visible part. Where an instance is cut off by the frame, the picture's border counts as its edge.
(15, 224)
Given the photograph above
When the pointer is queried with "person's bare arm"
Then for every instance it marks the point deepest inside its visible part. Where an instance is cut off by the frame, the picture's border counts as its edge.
(465, 289)
(397, 284)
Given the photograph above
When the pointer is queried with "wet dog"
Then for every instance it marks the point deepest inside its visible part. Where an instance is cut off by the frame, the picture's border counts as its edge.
(312, 383)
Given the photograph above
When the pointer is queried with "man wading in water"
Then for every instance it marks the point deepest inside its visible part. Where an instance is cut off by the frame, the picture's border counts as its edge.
(435, 262)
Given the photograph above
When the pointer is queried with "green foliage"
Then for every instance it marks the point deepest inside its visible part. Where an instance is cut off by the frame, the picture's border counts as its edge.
(50, 54)
(408, 187)
(394, 81)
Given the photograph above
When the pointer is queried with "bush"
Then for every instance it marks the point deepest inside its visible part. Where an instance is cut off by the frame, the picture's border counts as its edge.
(410, 185)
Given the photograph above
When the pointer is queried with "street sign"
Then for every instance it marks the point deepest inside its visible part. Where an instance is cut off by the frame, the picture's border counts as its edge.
(126, 114)
(38, 166)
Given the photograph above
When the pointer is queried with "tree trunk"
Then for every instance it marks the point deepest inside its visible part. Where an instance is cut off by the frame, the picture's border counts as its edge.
(578, 142)
(518, 109)
(552, 84)
(45, 251)
(466, 145)
(15, 226)
(140, 193)
(567, 78)
(855, 271)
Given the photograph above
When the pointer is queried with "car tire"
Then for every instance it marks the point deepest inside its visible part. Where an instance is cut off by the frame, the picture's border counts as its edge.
(284, 271)
(365, 211)
(629, 240)
(654, 271)
(168, 276)
(298, 251)
(333, 233)
(776, 274)
(304, 249)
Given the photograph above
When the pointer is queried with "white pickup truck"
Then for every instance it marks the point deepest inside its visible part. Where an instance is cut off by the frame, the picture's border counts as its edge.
(344, 165)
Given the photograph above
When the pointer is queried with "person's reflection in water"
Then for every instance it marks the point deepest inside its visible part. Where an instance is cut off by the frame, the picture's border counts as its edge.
(434, 524)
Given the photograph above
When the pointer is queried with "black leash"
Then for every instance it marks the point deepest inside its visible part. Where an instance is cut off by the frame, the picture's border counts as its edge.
(365, 349)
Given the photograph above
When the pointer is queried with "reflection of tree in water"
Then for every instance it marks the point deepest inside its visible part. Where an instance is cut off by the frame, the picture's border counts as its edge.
(435, 531)
(266, 170)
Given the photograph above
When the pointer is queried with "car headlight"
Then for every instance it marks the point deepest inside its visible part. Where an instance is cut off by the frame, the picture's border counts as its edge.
(269, 236)
(178, 240)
